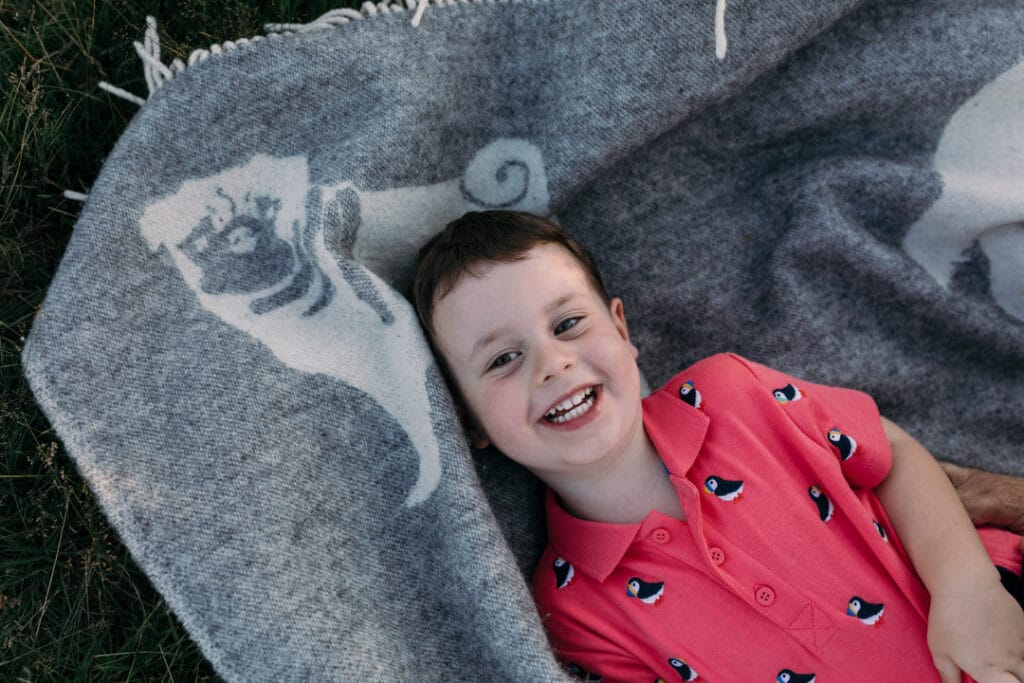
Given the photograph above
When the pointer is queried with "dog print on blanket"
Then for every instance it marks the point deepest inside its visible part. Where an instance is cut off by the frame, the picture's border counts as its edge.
(313, 271)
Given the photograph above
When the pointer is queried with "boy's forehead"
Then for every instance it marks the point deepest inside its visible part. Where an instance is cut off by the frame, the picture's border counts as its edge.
(542, 267)
(492, 292)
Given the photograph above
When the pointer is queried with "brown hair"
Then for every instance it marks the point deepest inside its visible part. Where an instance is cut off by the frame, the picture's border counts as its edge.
(479, 237)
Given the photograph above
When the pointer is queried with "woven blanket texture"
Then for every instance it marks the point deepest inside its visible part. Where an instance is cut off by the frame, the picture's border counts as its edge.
(833, 188)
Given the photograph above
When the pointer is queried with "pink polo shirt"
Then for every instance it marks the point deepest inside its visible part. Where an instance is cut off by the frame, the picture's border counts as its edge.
(787, 563)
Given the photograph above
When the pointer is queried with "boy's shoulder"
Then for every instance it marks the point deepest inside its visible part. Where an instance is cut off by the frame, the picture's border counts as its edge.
(728, 374)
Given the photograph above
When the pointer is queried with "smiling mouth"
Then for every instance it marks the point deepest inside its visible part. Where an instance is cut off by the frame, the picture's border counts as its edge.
(572, 408)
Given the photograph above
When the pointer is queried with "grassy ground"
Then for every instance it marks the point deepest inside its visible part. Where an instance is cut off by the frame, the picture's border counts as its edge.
(73, 606)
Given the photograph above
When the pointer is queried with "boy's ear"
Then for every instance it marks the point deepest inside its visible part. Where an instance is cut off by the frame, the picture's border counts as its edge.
(618, 314)
(477, 438)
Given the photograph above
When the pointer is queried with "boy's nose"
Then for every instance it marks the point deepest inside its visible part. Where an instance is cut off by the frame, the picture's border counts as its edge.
(554, 360)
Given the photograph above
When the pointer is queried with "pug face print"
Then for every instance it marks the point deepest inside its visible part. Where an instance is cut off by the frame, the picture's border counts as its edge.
(310, 270)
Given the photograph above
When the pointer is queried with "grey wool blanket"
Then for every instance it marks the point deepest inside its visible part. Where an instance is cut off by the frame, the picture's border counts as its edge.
(834, 188)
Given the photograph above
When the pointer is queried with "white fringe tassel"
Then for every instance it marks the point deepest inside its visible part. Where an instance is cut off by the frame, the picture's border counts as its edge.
(157, 73)
(721, 44)
(123, 94)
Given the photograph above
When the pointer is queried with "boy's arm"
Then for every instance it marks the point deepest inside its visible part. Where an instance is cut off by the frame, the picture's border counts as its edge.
(974, 625)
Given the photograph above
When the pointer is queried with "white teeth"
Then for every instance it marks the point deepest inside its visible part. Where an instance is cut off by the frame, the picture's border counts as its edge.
(580, 403)
(569, 402)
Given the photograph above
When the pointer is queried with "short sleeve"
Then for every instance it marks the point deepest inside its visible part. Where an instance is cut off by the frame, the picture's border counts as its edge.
(845, 421)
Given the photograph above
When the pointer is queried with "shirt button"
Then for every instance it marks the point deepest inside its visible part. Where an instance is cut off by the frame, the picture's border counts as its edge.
(764, 595)
(661, 536)
(717, 555)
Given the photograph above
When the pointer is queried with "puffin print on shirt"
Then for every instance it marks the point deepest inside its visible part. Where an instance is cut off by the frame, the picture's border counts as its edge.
(684, 670)
(787, 394)
(564, 572)
(724, 489)
(843, 443)
(825, 507)
(790, 676)
(689, 393)
(647, 593)
(869, 613)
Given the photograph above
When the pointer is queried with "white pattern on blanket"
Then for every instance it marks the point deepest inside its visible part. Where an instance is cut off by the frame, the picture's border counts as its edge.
(272, 255)
(981, 160)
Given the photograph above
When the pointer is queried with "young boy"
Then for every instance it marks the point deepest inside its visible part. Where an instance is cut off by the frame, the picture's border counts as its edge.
(738, 523)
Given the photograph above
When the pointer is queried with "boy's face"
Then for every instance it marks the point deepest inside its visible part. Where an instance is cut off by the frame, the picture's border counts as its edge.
(527, 341)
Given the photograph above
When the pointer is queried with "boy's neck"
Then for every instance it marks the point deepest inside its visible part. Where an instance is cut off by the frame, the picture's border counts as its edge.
(625, 492)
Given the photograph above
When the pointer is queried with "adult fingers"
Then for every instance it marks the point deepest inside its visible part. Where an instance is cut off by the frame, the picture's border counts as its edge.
(957, 474)
(989, 498)
(975, 496)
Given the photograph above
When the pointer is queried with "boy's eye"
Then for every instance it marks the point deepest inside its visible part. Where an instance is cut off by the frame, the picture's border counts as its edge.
(503, 359)
(566, 324)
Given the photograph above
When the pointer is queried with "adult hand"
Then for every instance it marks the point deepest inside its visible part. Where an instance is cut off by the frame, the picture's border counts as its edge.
(990, 498)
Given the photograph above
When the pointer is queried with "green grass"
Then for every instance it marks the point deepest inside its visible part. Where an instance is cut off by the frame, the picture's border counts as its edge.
(73, 605)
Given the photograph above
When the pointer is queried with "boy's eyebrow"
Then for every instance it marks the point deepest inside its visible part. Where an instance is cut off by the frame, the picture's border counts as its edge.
(494, 334)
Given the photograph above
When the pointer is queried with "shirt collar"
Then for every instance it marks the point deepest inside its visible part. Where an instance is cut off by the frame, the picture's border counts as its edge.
(596, 548)
(675, 427)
